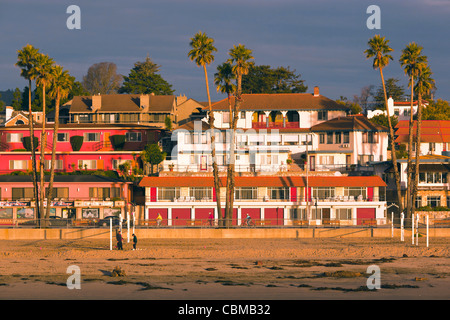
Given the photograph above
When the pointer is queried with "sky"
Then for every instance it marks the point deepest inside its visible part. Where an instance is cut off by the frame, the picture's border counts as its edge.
(322, 40)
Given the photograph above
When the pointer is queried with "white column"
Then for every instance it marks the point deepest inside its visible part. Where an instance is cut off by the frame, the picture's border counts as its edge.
(169, 216)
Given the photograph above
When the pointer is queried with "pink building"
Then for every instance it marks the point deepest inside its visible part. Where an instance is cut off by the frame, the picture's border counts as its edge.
(101, 146)
(80, 197)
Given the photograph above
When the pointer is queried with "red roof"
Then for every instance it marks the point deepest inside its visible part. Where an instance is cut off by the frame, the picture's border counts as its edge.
(431, 131)
(266, 181)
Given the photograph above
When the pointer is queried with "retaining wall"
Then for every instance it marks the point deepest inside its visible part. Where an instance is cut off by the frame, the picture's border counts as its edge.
(286, 233)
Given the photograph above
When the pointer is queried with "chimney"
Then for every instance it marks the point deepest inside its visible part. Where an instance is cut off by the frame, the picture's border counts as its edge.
(8, 112)
(316, 91)
(144, 101)
(181, 99)
(96, 102)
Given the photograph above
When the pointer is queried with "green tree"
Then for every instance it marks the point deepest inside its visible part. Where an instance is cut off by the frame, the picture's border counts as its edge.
(102, 78)
(412, 62)
(144, 79)
(393, 89)
(354, 107)
(152, 155)
(265, 79)
(437, 110)
(26, 61)
(61, 84)
(379, 50)
(241, 60)
(17, 100)
(202, 54)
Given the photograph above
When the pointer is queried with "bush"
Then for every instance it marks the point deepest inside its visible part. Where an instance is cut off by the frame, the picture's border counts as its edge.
(428, 208)
(26, 141)
(118, 141)
(76, 142)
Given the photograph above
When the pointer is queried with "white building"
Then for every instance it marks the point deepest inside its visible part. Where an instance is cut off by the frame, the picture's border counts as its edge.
(400, 109)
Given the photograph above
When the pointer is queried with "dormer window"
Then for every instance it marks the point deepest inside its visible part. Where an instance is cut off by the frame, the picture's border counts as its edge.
(322, 115)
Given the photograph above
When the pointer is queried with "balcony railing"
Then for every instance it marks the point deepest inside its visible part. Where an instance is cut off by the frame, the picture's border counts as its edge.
(275, 125)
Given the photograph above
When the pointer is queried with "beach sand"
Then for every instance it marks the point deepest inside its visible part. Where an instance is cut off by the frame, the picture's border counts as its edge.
(237, 269)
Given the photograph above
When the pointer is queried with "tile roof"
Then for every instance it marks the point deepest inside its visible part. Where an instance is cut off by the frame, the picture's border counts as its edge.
(349, 123)
(123, 103)
(281, 101)
(266, 181)
(431, 131)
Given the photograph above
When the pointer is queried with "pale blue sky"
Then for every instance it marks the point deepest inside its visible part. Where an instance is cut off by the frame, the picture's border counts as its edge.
(322, 40)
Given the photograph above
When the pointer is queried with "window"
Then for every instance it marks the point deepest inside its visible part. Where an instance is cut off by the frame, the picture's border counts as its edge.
(85, 118)
(14, 137)
(370, 137)
(157, 117)
(432, 146)
(323, 192)
(322, 138)
(201, 193)
(344, 214)
(418, 201)
(245, 193)
(316, 214)
(130, 118)
(279, 193)
(62, 137)
(59, 192)
(18, 164)
(87, 164)
(133, 137)
(58, 165)
(22, 193)
(363, 159)
(434, 201)
(242, 114)
(346, 137)
(91, 136)
(104, 193)
(338, 137)
(355, 192)
(433, 177)
(326, 159)
(116, 163)
(168, 193)
(448, 201)
(329, 137)
(322, 115)
(298, 214)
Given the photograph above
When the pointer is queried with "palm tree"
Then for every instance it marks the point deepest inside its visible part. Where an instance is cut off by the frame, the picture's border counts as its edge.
(44, 65)
(240, 61)
(61, 84)
(26, 60)
(223, 79)
(423, 87)
(412, 61)
(202, 53)
(379, 49)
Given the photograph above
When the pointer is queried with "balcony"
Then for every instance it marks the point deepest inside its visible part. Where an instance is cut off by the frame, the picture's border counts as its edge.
(275, 125)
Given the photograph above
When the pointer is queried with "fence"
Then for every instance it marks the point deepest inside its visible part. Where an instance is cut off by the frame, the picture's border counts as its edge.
(403, 224)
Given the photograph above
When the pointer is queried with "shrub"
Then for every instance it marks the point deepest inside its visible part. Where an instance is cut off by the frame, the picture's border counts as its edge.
(76, 142)
(118, 141)
(26, 141)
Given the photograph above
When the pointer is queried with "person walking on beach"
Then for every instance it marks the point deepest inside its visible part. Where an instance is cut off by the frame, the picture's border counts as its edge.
(119, 240)
(134, 241)
(158, 220)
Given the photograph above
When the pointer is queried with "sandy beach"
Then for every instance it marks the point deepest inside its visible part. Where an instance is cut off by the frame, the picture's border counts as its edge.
(237, 269)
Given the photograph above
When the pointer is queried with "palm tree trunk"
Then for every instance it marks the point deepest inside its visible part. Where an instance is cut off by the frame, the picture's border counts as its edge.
(392, 142)
(33, 156)
(52, 170)
(417, 160)
(213, 153)
(231, 163)
(409, 167)
(42, 161)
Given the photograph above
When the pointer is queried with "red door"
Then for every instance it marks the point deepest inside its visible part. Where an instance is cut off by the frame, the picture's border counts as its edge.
(233, 217)
(153, 213)
(255, 213)
(363, 214)
(180, 216)
(274, 215)
(203, 214)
